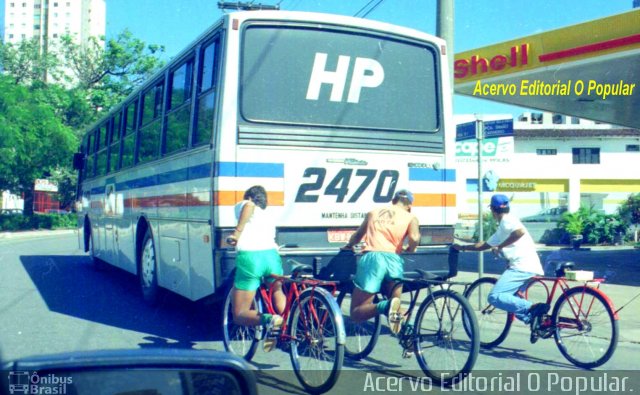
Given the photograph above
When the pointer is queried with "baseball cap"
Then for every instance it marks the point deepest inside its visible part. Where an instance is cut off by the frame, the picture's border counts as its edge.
(404, 193)
(499, 201)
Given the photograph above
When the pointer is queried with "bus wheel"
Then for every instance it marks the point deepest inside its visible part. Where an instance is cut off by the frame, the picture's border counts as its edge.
(148, 270)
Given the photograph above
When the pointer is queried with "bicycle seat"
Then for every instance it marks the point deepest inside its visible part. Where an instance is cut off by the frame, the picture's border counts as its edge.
(299, 269)
(561, 266)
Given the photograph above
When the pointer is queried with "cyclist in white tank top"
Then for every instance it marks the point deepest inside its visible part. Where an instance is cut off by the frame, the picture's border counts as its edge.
(257, 257)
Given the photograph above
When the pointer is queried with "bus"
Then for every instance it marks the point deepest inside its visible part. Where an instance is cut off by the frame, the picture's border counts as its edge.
(331, 114)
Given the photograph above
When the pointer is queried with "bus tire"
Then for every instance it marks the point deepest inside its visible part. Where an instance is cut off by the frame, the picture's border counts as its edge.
(149, 269)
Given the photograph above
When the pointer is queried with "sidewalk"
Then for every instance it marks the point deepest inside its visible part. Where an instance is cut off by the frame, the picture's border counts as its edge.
(35, 233)
(585, 247)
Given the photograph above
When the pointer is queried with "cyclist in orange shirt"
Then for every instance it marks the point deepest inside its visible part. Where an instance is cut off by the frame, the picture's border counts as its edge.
(383, 232)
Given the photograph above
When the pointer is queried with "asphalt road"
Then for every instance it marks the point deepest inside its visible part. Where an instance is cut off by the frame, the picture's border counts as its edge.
(52, 300)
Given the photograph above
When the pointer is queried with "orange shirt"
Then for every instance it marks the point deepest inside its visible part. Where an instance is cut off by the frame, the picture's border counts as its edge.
(386, 229)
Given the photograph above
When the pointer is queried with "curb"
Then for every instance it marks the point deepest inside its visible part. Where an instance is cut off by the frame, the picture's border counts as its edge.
(35, 234)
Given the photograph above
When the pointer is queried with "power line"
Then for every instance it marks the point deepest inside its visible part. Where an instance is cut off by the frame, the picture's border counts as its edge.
(370, 8)
(364, 7)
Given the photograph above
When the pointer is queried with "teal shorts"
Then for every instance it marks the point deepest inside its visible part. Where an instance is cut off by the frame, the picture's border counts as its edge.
(251, 266)
(376, 267)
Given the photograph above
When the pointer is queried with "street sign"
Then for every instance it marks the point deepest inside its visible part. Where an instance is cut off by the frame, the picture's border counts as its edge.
(466, 131)
(499, 128)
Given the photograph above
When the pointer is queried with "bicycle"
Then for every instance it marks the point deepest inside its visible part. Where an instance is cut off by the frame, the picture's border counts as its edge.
(445, 352)
(312, 331)
(583, 321)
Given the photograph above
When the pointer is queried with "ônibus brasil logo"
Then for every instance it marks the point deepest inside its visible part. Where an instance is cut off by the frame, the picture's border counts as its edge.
(23, 382)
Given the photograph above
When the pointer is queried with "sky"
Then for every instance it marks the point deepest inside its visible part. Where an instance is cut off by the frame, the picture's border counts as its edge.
(176, 23)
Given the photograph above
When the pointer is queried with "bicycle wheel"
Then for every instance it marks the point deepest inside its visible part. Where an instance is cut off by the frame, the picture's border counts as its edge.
(586, 331)
(446, 351)
(361, 337)
(239, 339)
(493, 323)
(317, 346)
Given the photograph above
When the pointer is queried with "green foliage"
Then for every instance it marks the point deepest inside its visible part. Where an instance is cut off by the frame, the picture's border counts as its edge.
(573, 223)
(25, 63)
(33, 140)
(66, 179)
(43, 110)
(595, 227)
(630, 210)
(489, 227)
(604, 228)
(37, 221)
(109, 71)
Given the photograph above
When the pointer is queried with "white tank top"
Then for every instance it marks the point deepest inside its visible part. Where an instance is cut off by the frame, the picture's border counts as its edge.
(259, 232)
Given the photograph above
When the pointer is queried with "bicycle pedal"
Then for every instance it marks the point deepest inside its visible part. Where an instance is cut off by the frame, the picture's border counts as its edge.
(407, 354)
(545, 332)
(270, 344)
(271, 340)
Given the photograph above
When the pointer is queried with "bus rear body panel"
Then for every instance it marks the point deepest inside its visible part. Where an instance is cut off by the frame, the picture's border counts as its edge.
(332, 119)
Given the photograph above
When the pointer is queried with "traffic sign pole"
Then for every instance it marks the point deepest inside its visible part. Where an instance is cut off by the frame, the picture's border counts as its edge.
(481, 130)
(479, 138)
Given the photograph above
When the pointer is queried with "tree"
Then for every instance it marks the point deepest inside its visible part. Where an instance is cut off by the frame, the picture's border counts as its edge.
(66, 179)
(69, 105)
(109, 71)
(47, 99)
(33, 140)
(26, 63)
(630, 211)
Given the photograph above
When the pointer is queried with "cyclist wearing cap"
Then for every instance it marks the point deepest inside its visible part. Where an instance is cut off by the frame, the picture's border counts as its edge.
(383, 232)
(515, 243)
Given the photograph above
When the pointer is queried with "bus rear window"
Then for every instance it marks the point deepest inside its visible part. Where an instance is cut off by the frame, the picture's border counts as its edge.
(299, 75)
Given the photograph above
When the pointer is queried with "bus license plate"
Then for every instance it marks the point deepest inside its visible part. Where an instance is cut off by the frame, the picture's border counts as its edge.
(339, 235)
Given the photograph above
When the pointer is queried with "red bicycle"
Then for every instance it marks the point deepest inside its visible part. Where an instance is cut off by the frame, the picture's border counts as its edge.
(313, 329)
(583, 321)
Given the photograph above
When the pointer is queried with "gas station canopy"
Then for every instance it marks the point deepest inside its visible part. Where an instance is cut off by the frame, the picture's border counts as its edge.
(590, 70)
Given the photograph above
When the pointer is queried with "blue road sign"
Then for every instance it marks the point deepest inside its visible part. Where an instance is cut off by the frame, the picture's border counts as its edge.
(499, 128)
(466, 131)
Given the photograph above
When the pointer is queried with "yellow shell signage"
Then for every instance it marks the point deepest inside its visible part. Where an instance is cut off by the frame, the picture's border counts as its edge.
(517, 56)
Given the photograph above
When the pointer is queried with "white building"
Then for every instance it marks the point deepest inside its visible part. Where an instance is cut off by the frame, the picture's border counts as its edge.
(551, 161)
(48, 20)
(11, 201)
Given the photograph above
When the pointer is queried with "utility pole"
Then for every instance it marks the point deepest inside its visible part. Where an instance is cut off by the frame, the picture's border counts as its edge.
(444, 29)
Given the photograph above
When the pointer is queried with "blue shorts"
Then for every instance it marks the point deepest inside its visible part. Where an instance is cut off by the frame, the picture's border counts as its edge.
(251, 266)
(376, 267)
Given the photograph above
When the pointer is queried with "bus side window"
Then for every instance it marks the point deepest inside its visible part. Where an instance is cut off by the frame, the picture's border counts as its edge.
(206, 94)
(91, 157)
(87, 155)
(129, 135)
(177, 136)
(103, 140)
(151, 124)
(114, 148)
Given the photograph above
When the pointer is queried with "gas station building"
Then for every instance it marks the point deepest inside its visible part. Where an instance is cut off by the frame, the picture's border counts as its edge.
(581, 146)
